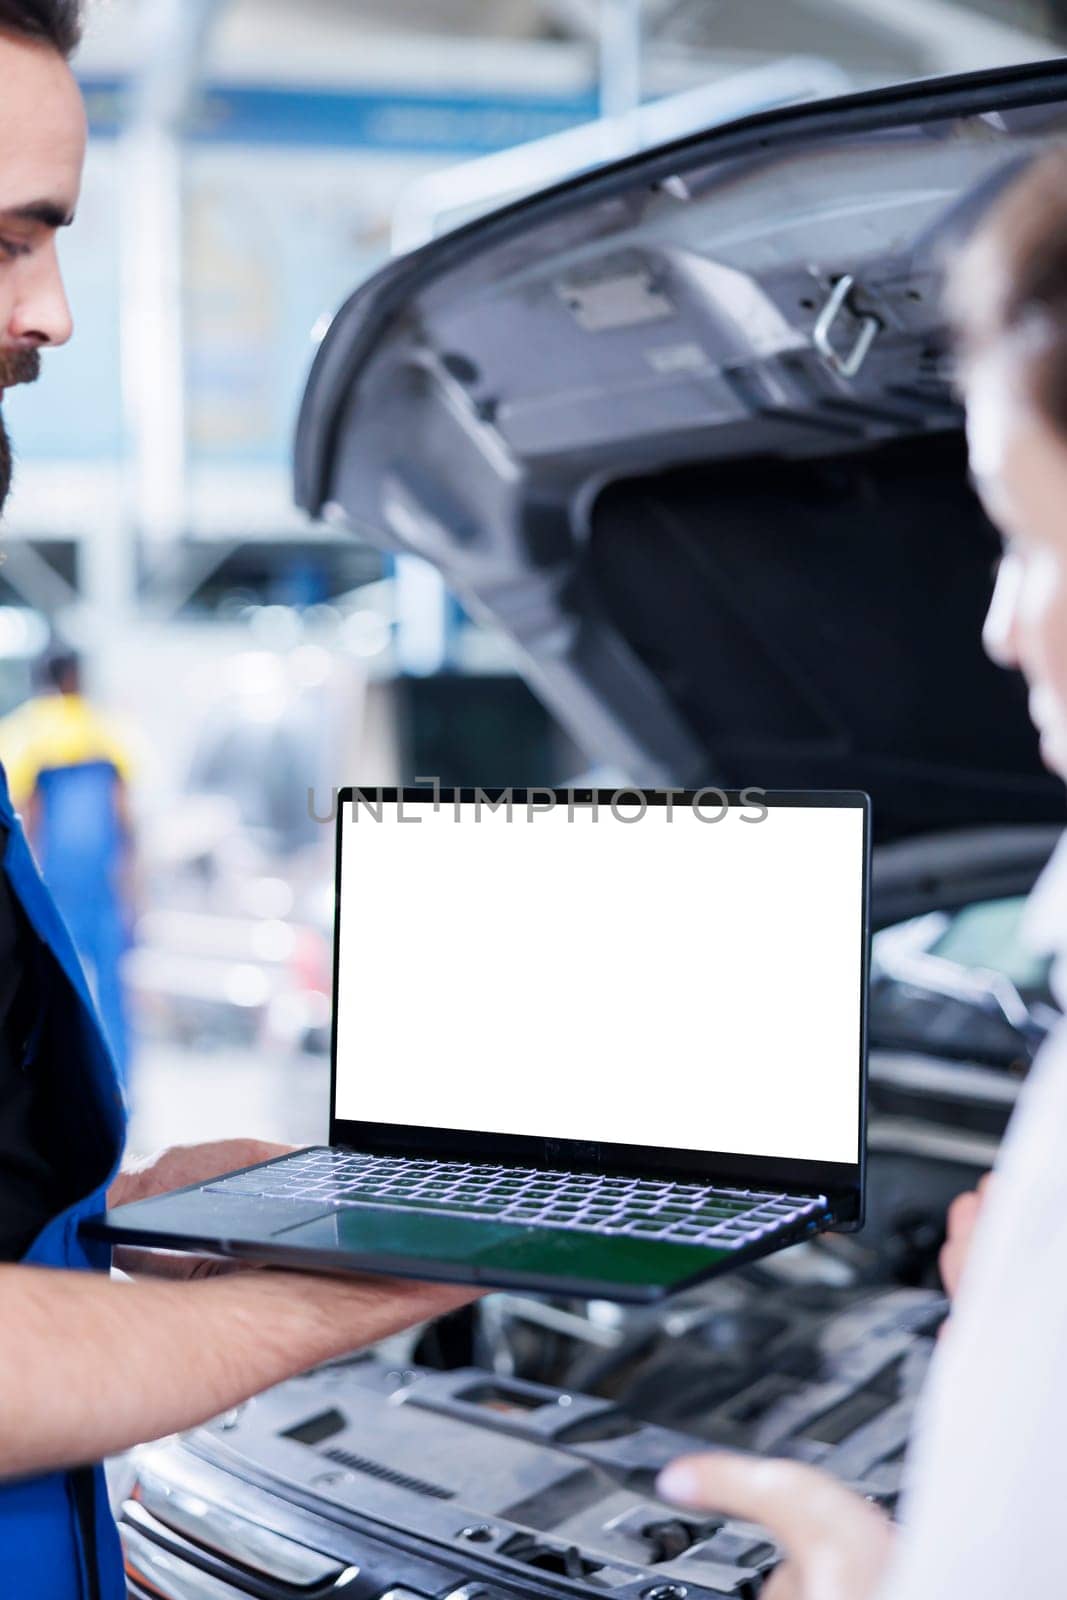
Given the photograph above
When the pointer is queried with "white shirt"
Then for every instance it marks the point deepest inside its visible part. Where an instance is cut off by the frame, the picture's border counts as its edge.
(985, 1516)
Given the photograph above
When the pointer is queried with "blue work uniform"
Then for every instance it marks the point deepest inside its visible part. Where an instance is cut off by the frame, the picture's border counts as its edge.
(57, 1537)
(68, 761)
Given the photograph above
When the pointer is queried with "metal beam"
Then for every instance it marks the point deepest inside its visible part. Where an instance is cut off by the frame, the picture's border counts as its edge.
(173, 41)
(36, 581)
(621, 43)
(616, 28)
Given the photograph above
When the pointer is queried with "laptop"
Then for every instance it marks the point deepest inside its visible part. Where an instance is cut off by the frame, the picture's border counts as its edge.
(585, 1042)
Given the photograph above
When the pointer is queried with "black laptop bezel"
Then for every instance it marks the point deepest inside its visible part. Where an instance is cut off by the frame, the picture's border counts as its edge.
(843, 1183)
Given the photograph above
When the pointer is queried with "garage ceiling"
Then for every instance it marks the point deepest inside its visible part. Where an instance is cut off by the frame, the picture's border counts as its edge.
(874, 41)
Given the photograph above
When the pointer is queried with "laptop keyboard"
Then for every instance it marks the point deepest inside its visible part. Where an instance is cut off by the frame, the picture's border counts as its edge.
(685, 1213)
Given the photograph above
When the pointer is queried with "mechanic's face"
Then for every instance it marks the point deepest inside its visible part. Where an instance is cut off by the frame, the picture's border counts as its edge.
(42, 148)
(1020, 467)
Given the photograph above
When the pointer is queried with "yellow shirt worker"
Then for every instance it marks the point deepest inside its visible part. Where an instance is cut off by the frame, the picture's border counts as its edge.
(68, 772)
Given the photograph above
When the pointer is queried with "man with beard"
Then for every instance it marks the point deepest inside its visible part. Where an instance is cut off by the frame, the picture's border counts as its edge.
(16, 366)
(89, 1366)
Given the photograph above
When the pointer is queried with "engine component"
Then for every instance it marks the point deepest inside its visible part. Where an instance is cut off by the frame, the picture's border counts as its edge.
(376, 1482)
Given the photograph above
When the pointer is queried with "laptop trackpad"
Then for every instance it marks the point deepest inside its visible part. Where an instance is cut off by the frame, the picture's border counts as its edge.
(496, 1252)
(410, 1240)
(198, 1220)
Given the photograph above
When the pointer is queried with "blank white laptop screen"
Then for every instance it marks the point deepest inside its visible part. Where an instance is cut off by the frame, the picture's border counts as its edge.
(665, 982)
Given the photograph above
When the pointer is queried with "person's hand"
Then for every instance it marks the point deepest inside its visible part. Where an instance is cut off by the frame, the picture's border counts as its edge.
(963, 1216)
(186, 1164)
(836, 1545)
(178, 1168)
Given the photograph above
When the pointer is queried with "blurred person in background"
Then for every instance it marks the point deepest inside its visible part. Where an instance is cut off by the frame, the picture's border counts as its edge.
(981, 1515)
(68, 773)
(89, 1367)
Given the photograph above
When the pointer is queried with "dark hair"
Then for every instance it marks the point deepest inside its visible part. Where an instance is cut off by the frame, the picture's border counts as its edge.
(1008, 285)
(54, 22)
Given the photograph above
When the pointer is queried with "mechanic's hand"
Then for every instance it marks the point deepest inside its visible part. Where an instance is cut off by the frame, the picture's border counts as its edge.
(186, 1164)
(963, 1216)
(836, 1545)
(177, 1168)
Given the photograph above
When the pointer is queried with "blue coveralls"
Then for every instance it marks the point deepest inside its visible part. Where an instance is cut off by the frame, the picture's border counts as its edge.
(79, 846)
(42, 1549)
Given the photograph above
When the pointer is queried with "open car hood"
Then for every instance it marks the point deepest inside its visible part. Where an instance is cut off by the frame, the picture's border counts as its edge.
(684, 429)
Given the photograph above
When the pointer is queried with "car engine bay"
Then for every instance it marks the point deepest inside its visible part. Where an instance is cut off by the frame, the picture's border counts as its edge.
(404, 1480)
